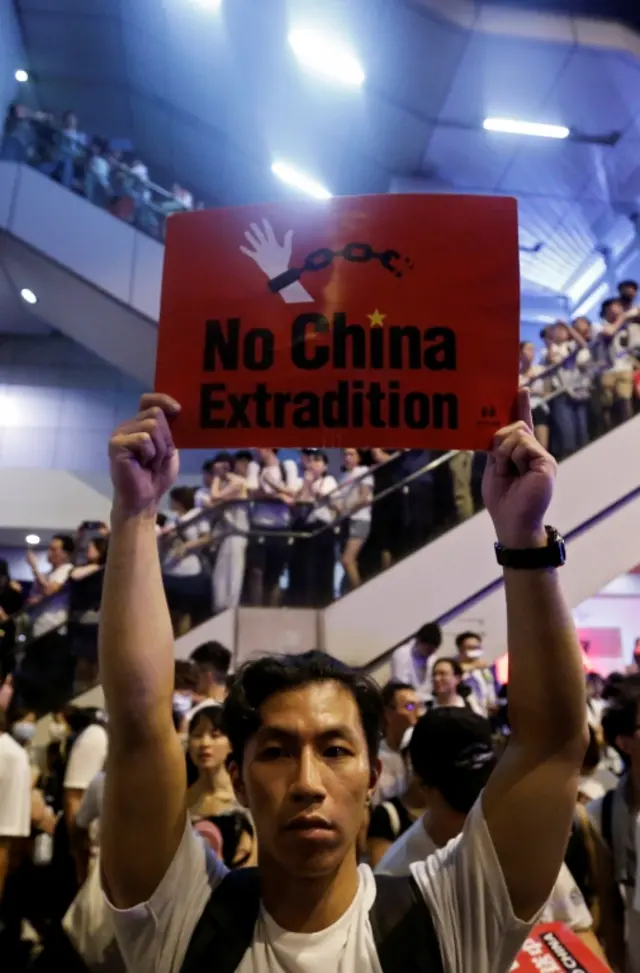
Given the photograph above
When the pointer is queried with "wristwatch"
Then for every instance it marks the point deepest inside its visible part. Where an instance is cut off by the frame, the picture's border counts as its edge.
(553, 555)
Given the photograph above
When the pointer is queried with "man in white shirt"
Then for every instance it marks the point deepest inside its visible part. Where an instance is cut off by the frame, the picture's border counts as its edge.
(202, 496)
(86, 760)
(277, 483)
(413, 662)
(478, 676)
(617, 381)
(48, 586)
(304, 732)
(452, 754)
(402, 707)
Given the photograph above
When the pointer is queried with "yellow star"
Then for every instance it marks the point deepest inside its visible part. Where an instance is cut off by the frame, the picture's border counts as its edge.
(376, 319)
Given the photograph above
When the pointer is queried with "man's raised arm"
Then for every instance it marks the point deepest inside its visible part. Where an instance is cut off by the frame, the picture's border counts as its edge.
(144, 811)
(530, 798)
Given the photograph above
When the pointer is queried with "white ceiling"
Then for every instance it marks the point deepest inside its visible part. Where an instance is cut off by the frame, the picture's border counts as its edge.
(210, 98)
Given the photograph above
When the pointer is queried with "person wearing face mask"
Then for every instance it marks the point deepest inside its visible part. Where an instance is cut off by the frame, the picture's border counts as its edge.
(478, 676)
(15, 824)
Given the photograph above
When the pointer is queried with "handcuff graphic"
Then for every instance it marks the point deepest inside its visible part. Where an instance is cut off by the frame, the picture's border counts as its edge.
(357, 253)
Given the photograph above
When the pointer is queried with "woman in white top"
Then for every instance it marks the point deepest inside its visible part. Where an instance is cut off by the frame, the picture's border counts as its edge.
(529, 373)
(354, 497)
(447, 676)
(317, 563)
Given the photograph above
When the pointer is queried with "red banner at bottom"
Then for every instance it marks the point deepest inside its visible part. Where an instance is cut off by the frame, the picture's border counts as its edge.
(552, 948)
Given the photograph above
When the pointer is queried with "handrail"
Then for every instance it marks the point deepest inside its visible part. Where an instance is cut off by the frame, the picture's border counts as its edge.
(216, 514)
(83, 148)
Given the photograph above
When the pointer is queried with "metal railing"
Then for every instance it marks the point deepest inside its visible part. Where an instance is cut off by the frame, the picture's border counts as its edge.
(43, 145)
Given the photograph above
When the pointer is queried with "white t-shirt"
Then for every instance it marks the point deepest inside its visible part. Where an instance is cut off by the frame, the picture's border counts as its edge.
(87, 757)
(320, 488)
(202, 497)
(404, 669)
(190, 565)
(55, 610)
(394, 774)
(462, 884)
(269, 480)
(565, 904)
(350, 494)
(88, 816)
(15, 789)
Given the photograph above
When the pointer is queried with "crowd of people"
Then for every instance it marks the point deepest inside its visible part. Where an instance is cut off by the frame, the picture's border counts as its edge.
(592, 385)
(293, 816)
(108, 173)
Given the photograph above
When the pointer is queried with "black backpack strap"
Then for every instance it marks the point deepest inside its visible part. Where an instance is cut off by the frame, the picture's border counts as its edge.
(606, 820)
(225, 928)
(403, 929)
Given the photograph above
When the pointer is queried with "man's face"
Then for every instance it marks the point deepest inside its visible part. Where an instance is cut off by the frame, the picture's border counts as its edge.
(425, 649)
(471, 648)
(560, 333)
(306, 777)
(405, 711)
(444, 678)
(241, 467)
(613, 312)
(56, 554)
(221, 469)
(629, 294)
(583, 327)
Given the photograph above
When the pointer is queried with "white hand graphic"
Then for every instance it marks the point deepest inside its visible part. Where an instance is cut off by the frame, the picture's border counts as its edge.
(273, 259)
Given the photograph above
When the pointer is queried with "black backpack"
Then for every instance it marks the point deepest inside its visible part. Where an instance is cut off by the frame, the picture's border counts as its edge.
(402, 926)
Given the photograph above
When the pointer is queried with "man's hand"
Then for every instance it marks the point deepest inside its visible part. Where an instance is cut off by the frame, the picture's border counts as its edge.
(144, 460)
(518, 482)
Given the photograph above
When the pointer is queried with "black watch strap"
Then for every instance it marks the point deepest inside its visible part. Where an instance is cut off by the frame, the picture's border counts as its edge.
(529, 559)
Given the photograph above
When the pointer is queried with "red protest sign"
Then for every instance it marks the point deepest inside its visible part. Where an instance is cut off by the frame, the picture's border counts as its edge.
(386, 320)
(552, 948)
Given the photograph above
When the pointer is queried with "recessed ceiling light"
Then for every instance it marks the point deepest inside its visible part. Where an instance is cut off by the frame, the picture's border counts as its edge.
(298, 179)
(324, 55)
(32, 539)
(514, 127)
(28, 296)
(21, 75)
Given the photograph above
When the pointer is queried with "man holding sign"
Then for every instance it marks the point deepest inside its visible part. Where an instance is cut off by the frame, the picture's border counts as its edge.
(304, 732)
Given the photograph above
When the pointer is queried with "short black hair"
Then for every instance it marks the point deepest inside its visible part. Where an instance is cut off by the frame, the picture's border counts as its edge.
(620, 719)
(466, 635)
(211, 711)
(185, 676)
(604, 307)
(184, 495)
(628, 283)
(452, 751)
(455, 665)
(208, 466)
(243, 454)
(388, 692)
(213, 656)
(260, 679)
(223, 457)
(430, 634)
(66, 541)
(593, 755)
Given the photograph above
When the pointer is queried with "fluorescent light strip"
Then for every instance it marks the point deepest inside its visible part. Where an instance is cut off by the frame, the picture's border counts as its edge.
(323, 54)
(512, 126)
(294, 178)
